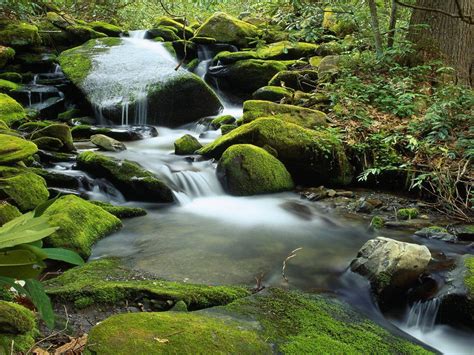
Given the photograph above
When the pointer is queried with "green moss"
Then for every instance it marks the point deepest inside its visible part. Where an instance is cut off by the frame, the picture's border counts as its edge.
(226, 128)
(69, 114)
(86, 131)
(227, 29)
(11, 112)
(217, 122)
(337, 23)
(129, 177)
(311, 156)
(315, 61)
(34, 126)
(187, 144)
(80, 223)
(48, 143)
(106, 281)
(7, 212)
(287, 50)
(6, 55)
(203, 40)
(107, 28)
(83, 33)
(328, 67)
(377, 222)
(17, 327)
(18, 34)
(167, 33)
(407, 213)
(301, 116)
(272, 93)
(7, 86)
(304, 80)
(245, 169)
(226, 57)
(59, 131)
(121, 211)
(469, 276)
(14, 149)
(11, 76)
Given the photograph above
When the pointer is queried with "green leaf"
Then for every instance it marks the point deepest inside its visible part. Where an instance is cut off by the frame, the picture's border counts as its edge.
(20, 264)
(10, 282)
(41, 301)
(60, 254)
(39, 210)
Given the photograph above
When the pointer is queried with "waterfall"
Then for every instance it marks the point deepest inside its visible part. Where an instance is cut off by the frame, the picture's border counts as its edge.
(422, 314)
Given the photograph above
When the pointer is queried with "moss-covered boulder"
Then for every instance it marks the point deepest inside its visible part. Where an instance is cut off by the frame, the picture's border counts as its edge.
(217, 122)
(11, 112)
(18, 328)
(227, 29)
(304, 80)
(6, 55)
(121, 211)
(7, 86)
(106, 143)
(14, 149)
(287, 50)
(108, 282)
(82, 33)
(226, 57)
(80, 223)
(18, 34)
(107, 28)
(11, 76)
(165, 33)
(187, 144)
(130, 178)
(311, 156)
(245, 169)
(272, 93)
(178, 26)
(8, 212)
(59, 131)
(338, 23)
(329, 67)
(301, 116)
(226, 128)
(48, 143)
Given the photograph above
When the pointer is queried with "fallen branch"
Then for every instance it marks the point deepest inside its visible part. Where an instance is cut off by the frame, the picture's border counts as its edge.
(290, 256)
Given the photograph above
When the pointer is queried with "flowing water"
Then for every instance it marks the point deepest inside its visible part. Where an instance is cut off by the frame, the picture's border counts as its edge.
(213, 238)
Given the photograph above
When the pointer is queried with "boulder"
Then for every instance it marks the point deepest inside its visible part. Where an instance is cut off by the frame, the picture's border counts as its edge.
(165, 33)
(6, 55)
(287, 50)
(390, 265)
(217, 122)
(18, 34)
(226, 128)
(187, 144)
(14, 149)
(107, 143)
(245, 169)
(18, 328)
(436, 233)
(314, 157)
(11, 76)
(226, 57)
(272, 93)
(178, 26)
(80, 223)
(304, 80)
(59, 131)
(130, 178)
(107, 28)
(7, 86)
(329, 67)
(11, 112)
(301, 116)
(227, 29)
(126, 134)
(120, 211)
(48, 143)
(8, 212)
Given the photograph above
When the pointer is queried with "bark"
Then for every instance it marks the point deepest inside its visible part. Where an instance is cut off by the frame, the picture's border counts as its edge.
(446, 37)
(392, 25)
(375, 27)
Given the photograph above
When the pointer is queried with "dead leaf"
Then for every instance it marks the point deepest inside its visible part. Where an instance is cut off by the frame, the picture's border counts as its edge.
(75, 346)
(39, 351)
(162, 341)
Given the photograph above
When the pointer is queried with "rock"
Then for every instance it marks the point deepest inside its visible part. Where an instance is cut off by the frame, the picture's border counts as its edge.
(107, 28)
(59, 131)
(107, 143)
(80, 223)
(131, 133)
(227, 29)
(337, 23)
(217, 122)
(226, 57)
(413, 224)
(245, 169)
(131, 179)
(11, 76)
(18, 34)
(69, 115)
(39, 62)
(331, 48)
(11, 112)
(7, 86)
(18, 328)
(391, 265)
(8, 212)
(463, 231)
(377, 222)
(23, 188)
(6, 55)
(286, 50)
(187, 144)
(272, 93)
(226, 128)
(165, 33)
(179, 27)
(121, 211)
(82, 33)
(312, 157)
(328, 68)
(315, 61)
(365, 207)
(437, 233)
(48, 143)
(304, 80)
(301, 116)
(407, 213)
(14, 149)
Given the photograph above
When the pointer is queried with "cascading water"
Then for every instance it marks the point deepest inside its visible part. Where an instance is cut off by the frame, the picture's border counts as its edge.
(422, 314)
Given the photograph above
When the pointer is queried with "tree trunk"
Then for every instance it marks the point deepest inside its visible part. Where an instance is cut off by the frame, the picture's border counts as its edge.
(374, 19)
(445, 37)
(392, 25)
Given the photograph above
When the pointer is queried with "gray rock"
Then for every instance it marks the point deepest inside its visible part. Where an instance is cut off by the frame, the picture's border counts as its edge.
(107, 143)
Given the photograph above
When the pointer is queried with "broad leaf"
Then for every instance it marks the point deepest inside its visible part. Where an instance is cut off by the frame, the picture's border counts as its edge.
(20, 264)
(39, 210)
(60, 254)
(41, 301)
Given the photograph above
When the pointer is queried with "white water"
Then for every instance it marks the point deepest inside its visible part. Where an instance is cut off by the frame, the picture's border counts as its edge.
(422, 315)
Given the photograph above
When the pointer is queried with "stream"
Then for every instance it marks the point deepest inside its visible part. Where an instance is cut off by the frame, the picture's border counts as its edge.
(213, 238)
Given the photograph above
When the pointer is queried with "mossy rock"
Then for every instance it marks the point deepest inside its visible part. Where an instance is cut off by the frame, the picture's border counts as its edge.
(203, 40)
(106, 143)
(227, 29)
(304, 80)
(272, 93)
(301, 116)
(329, 67)
(8, 212)
(331, 48)
(7, 86)
(130, 178)
(17, 328)
(407, 213)
(11, 112)
(315, 61)
(287, 50)
(226, 57)
(107, 28)
(6, 55)
(82, 33)
(226, 128)
(18, 34)
(80, 223)
(340, 24)
(48, 143)
(217, 122)
(69, 114)
(14, 149)
(108, 282)
(167, 33)
(184, 49)
(121, 211)
(11, 76)
(313, 157)
(187, 144)
(31, 127)
(59, 131)
(179, 27)
(245, 169)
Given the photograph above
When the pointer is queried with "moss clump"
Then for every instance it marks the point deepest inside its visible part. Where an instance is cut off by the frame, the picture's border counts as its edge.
(86, 131)
(59, 131)
(48, 143)
(272, 93)
(6, 55)
(377, 222)
(187, 144)
(18, 34)
(178, 26)
(7, 212)
(287, 50)
(245, 169)
(469, 276)
(407, 213)
(14, 149)
(107, 28)
(226, 57)
(69, 114)
(226, 128)
(301, 116)
(17, 328)
(11, 112)
(311, 156)
(339, 25)
(11, 76)
(217, 122)
(107, 282)
(227, 29)
(130, 178)
(80, 223)
(120, 211)
(167, 33)
(7, 86)
(304, 80)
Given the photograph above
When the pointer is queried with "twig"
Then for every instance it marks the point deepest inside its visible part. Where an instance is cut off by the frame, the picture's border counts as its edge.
(290, 256)
(465, 18)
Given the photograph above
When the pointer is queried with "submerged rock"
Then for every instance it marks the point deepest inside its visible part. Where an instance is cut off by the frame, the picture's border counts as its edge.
(18, 328)
(437, 233)
(313, 157)
(107, 143)
(126, 134)
(245, 169)
(187, 144)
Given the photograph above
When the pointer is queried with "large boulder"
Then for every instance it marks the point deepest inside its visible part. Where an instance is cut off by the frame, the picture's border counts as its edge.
(227, 29)
(312, 157)
(18, 328)
(272, 93)
(245, 169)
(6, 55)
(301, 116)
(106, 143)
(130, 178)
(11, 112)
(287, 50)
(305, 80)
(107, 28)
(127, 83)
(178, 26)
(18, 34)
(61, 132)
(14, 149)
(80, 223)
(187, 144)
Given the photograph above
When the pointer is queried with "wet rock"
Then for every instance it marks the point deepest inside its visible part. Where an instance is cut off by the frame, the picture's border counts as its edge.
(320, 193)
(436, 233)
(6, 55)
(187, 144)
(222, 120)
(59, 131)
(365, 207)
(132, 133)
(107, 143)
(409, 224)
(298, 209)
(463, 232)
(121, 211)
